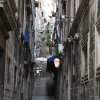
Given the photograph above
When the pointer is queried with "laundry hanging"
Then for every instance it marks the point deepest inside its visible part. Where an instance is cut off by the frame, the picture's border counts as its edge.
(50, 64)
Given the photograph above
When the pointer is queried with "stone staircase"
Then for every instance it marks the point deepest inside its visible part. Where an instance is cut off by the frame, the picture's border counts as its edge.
(43, 86)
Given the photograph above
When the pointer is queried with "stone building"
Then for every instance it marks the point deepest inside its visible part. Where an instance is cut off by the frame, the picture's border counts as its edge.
(7, 25)
(15, 49)
(80, 77)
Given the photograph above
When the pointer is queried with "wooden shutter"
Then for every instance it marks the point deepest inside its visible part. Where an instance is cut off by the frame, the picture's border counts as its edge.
(2, 67)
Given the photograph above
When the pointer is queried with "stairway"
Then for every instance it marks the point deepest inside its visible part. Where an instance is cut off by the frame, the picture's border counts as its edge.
(43, 86)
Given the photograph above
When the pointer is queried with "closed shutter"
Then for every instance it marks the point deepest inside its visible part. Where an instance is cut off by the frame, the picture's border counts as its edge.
(2, 67)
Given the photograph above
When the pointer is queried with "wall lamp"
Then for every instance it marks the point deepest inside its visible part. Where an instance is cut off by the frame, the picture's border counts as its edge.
(16, 15)
(70, 39)
(64, 17)
(57, 63)
(75, 37)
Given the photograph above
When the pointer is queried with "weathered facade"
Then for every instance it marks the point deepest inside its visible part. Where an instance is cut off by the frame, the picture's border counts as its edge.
(7, 23)
(15, 53)
(79, 77)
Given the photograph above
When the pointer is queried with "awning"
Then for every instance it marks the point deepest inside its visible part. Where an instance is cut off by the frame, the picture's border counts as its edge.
(41, 59)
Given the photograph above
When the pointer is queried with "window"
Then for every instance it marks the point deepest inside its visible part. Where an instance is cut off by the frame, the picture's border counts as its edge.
(98, 13)
(16, 1)
(15, 47)
(84, 51)
(98, 50)
(64, 6)
(15, 71)
(85, 58)
(8, 69)
(74, 7)
(21, 10)
(77, 5)
(84, 42)
(2, 62)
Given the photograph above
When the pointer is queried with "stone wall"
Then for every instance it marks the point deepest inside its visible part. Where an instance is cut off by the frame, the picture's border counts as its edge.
(85, 54)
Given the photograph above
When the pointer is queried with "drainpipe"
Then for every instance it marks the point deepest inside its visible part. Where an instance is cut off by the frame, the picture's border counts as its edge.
(70, 73)
(33, 28)
(69, 82)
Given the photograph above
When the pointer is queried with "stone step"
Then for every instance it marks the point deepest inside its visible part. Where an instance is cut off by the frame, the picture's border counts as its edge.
(43, 94)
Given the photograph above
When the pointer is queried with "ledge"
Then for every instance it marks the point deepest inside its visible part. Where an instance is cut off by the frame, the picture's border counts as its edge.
(98, 71)
(84, 79)
(80, 11)
(4, 23)
(7, 17)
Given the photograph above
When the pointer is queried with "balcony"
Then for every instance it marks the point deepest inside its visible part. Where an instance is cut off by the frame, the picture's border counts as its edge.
(7, 17)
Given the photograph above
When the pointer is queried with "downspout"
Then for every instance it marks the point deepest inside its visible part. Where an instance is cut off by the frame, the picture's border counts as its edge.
(33, 28)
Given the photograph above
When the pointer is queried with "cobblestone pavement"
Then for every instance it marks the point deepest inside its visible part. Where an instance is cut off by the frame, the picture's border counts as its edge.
(43, 89)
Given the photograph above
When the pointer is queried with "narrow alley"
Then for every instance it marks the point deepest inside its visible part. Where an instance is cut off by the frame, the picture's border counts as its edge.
(43, 88)
(49, 49)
